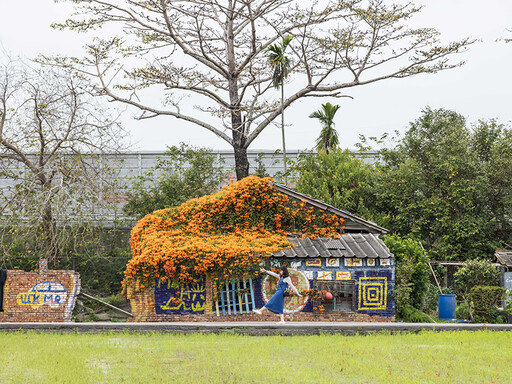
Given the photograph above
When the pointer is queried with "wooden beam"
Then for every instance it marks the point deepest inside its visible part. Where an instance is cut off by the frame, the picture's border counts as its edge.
(104, 303)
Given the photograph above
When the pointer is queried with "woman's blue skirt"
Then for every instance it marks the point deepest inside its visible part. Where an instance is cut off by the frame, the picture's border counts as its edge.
(276, 302)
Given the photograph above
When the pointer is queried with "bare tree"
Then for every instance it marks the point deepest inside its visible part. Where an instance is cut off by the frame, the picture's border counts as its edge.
(52, 136)
(216, 50)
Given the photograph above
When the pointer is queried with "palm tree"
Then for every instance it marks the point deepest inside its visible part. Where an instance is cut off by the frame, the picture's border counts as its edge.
(328, 138)
(281, 65)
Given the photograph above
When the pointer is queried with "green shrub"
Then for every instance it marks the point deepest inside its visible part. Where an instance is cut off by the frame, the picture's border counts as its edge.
(493, 315)
(462, 311)
(412, 272)
(413, 315)
(484, 299)
(431, 299)
(474, 273)
(117, 299)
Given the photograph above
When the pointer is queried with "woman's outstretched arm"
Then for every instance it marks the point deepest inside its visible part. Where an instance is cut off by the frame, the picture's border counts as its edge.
(269, 273)
(288, 280)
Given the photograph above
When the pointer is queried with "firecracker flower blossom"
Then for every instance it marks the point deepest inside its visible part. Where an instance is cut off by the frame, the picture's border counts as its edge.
(222, 235)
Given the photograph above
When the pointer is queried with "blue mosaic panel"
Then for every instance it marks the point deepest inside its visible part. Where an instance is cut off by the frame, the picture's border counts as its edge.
(171, 299)
(374, 292)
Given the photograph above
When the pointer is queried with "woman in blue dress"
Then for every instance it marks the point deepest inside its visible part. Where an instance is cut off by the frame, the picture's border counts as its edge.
(276, 302)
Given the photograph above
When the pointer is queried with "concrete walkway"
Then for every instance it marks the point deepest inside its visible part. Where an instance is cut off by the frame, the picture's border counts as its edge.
(251, 328)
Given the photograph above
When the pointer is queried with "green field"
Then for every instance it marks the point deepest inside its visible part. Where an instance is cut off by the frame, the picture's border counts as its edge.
(427, 357)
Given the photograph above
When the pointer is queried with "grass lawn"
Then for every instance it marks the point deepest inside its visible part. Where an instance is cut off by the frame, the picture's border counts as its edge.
(427, 357)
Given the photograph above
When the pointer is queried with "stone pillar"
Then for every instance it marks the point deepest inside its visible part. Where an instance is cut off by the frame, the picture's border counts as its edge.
(209, 296)
(43, 265)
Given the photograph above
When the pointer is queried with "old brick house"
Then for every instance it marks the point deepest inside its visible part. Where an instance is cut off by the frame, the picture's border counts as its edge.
(357, 268)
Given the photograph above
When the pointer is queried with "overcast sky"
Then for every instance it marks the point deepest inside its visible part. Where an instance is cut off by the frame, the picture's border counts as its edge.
(481, 89)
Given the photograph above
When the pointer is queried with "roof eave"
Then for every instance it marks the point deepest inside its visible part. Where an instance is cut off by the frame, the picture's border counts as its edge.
(368, 225)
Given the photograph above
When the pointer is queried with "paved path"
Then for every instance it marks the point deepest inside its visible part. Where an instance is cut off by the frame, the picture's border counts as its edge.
(251, 328)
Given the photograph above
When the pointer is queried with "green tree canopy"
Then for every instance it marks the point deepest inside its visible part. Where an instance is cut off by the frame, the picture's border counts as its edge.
(445, 183)
(328, 139)
(280, 63)
(448, 185)
(339, 179)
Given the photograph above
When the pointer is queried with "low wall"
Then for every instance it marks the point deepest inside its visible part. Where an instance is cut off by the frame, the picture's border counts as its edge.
(43, 296)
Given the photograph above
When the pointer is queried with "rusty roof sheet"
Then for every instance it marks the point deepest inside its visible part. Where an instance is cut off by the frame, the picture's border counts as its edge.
(504, 257)
(360, 245)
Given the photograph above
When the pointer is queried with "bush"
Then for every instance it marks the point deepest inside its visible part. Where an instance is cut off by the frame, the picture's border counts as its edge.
(431, 299)
(462, 311)
(412, 272)
(413, 315)
(486, 298)
(495, 316)
(474, 273)
(117, 300)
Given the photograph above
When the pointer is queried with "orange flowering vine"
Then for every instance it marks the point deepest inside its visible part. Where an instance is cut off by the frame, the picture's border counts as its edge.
(221, 235)
(317, 296)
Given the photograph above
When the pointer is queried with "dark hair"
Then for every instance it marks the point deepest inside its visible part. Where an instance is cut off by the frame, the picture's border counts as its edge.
(285, 272)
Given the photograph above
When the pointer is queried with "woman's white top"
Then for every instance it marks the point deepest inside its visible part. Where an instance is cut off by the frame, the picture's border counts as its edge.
(287, 280)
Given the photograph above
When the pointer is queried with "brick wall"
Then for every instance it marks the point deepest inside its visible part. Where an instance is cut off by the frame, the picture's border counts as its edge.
(43, 296)
(143, 309)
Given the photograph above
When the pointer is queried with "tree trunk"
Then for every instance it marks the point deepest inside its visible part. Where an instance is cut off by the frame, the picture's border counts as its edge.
(237, 124)
(49, 229)
(285, 166)
(241, 162)
(48, 224)
(239, 145)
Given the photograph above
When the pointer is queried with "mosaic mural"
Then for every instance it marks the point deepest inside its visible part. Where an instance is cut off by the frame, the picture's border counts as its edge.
(373, 293)
(323, 275)
(314, 262)
(373, 284)
(180, 298)
(293, 303)
(49, 293)
(332, 262)
(343, 275)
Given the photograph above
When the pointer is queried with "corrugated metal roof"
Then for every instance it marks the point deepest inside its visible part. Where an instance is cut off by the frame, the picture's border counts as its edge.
(504, 257)
(360, 245)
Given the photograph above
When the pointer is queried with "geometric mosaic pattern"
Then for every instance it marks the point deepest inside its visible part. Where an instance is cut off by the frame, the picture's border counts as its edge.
(332, 262)
(354, 262)
(373, 293)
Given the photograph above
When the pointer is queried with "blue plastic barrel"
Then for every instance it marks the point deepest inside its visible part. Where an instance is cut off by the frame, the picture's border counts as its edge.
(446, 307)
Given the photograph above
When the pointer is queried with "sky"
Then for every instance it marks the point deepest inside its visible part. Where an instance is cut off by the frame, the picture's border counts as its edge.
(481, 89)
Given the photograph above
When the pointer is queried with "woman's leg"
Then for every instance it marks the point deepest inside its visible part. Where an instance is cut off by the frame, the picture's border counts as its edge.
(281, 315)
(259, 311)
